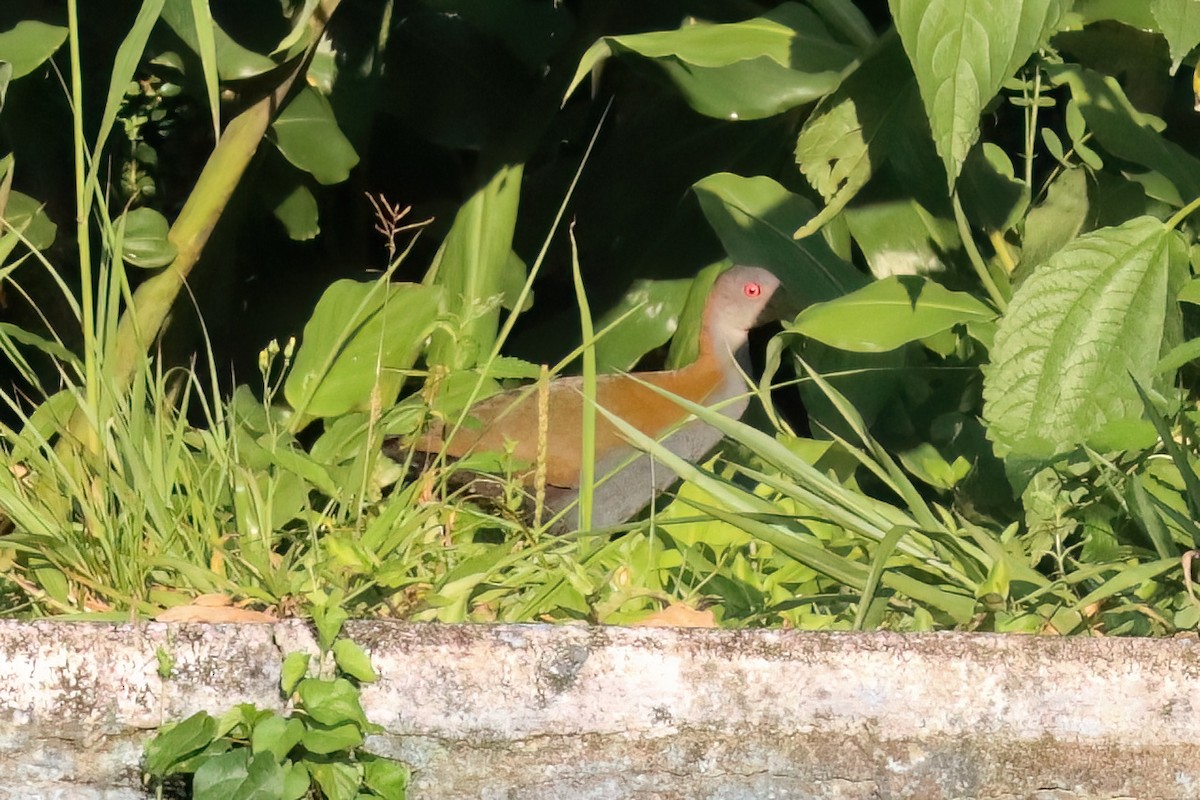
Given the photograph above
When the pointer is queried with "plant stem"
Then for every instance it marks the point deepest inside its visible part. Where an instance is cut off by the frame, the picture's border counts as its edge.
(1183, 213)
(985, 276)
(83, 430)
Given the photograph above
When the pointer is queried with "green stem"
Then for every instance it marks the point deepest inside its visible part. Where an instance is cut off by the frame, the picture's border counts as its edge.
(84, 431)
(973, 255)
(1183, 213)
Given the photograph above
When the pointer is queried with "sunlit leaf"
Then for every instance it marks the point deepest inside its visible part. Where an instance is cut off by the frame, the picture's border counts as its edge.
(854, 130)
(29, 44)
(742, 70)
(1179, 21)
(962, 51)
(889, 313)
(358, 339)
(308, 135)
(1077, 328)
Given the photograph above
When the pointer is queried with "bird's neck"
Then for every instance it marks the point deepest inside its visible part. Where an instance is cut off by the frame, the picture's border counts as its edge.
(725, 348)
(724, 352)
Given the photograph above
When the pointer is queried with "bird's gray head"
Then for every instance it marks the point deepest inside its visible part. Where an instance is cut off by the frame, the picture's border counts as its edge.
(743, 298)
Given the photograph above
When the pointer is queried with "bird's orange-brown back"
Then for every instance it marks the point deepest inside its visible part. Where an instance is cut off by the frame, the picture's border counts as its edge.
(512, 419)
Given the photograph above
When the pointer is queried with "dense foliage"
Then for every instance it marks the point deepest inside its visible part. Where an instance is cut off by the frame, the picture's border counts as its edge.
(241, 246)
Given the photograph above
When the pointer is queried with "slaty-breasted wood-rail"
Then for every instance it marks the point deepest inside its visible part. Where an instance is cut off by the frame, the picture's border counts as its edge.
(741, 299)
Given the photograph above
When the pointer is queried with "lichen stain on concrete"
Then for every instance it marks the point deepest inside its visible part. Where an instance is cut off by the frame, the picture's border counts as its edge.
(558, 669)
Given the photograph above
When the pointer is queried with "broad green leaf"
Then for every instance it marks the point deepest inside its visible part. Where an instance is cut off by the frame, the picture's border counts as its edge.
(295, 667)
(236, 775)
(655, 307)
(276, 735)
(387, 778)
(331, 702)
(308, 135)
(472, 264)
(1135, 15)
(144, 242)
(889, 313)
(353, 660)
(285, 190)
(901, 237)
(742, 70)
(991, 196)
(359, 338)
(27, 215)
(233, 61)
(962, 51)
(855, 129)
(29, 44)
(1057, 220)
(296, 781)
(1077, 328)
(338, 780)
(1179, 21)
(177, 743)
(1125, 132)
(755, 217)
(326, 739)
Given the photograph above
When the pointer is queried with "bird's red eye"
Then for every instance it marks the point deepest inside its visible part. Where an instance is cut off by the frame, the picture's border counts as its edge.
(752, 289)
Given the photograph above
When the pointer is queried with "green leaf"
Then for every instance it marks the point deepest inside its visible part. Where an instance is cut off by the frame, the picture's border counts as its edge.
(29, 44)
(307, 134)
(331, 702)
(276, 735)
(901, 237)
(326, 739)
(742, 70)
(889, 313)
(286, 192)
(178, 742)
(329, 617)
(144, 242)
(655, 307)
(338, 780)
(962, 51)
(472, 264)
(855, 129)
(1179, 21)
(234, 62)
(295, 667)
(236, 775)
(1124, 131)
(385, 777)
(353, 660)
(28, 216)
(296, 781)
(992, 197)
(358, 339)
(1076, 329)
(1056, 220)
(755, 217)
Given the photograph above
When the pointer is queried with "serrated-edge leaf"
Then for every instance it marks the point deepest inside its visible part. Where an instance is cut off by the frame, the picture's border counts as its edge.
(1090, 316)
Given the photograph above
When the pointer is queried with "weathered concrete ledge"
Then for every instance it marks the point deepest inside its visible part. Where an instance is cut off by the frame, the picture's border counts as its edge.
(535, 711)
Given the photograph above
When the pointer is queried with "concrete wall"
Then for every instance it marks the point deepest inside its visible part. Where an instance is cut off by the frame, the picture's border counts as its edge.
(574, 712)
